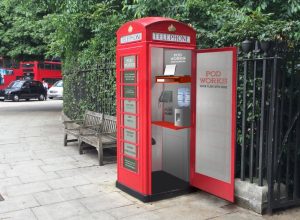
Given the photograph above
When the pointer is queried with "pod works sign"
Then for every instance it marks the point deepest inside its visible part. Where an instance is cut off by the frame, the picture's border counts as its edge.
(214, 79)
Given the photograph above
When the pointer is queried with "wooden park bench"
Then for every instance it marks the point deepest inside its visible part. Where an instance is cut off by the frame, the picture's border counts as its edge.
(91, 120)
(102, 137)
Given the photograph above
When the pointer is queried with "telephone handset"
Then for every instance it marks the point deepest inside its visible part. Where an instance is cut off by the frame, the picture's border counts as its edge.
(166, 96)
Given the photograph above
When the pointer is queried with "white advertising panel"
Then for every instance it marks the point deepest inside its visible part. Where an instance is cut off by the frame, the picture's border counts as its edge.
(214, 114)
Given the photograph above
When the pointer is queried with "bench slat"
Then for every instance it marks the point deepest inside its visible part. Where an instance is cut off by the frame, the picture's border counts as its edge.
(90, 118)
(104, 137)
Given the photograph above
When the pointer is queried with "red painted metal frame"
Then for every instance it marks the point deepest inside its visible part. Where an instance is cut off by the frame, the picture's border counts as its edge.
(216, 187)
(141, 182)
(129, 178)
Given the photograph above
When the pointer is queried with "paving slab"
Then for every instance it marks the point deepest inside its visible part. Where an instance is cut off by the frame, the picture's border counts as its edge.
(105, 201)
(2, 175)
(9, 181)
(38, 178)
(18, 203)
(11, 148)
(91, 172)
(25, 214)
(17, 156)
(86, 157)
(242, 215)
(59, 195)
(48, 153)
(58, 183)
(28, 163)
(28, 188)
(24, 170)
(68, 182)
(193, 212)
(4, 167)
(82, 164)
(89, 190)
(58, 160)
(60, 210)
(146, 216)
(130, 210)
(9, 140)
(58, 166)
(93, 216)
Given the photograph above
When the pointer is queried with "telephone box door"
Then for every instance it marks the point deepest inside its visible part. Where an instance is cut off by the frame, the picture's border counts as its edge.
(214, 118)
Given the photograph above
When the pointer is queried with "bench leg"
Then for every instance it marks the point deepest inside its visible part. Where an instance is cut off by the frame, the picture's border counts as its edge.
(100, 154)
(80, 147)
(65, 140)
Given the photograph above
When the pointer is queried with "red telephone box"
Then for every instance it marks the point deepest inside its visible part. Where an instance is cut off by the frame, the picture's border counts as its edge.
(167, 94)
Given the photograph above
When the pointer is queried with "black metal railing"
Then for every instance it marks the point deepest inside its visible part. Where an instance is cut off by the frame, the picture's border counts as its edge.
(268, 121)
(92, 88)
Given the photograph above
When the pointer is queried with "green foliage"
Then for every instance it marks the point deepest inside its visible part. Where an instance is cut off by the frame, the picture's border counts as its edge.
(166, 8)
(224, 22)
(22, 33)
(82, 32)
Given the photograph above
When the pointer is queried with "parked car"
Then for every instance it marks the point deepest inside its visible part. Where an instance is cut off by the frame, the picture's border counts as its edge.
(56, 91)
(22, 89)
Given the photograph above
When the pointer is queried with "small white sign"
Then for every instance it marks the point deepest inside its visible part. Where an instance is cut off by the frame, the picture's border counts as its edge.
(170, 70)
(171, 37)
(130, 149)
(129, 135)
(131, 38)
(130, 121)
(129, 106)
(129, 62)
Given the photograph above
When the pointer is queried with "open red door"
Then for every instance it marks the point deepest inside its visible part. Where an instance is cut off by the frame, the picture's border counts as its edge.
(214, 118)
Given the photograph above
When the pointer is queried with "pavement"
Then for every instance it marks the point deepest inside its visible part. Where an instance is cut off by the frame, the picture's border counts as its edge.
(42, 179)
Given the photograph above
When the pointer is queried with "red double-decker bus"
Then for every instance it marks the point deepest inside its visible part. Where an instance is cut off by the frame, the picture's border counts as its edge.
(50, 71)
